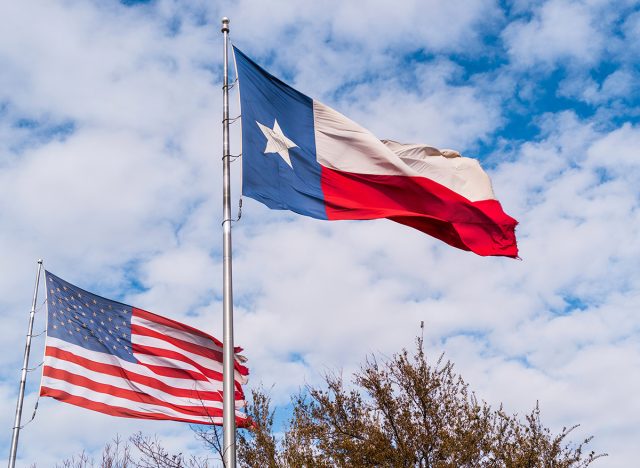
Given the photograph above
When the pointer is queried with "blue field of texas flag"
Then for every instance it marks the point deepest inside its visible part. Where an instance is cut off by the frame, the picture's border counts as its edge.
(301, 155)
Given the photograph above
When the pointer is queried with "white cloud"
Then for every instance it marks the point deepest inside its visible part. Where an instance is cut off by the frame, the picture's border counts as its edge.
(372, 24)
(558, 31)
(631, 27)
(433, 110)
(618, 85)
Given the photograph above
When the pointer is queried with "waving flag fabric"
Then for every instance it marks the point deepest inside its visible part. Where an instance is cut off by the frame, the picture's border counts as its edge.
(116, 359)
(300, 155)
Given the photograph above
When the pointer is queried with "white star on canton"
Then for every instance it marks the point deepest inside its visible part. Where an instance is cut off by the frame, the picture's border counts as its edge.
(277, 142)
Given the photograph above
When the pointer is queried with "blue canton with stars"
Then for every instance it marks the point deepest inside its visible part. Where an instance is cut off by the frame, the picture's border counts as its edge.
(87, 320)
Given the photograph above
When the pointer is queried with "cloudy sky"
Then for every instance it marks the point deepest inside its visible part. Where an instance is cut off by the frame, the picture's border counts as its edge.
(110, 148)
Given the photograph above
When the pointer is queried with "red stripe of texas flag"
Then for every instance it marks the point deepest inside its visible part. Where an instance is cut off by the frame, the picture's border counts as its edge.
(481, 227)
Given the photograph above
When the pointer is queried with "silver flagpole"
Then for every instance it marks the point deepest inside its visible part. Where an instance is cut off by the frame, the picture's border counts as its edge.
(228, 410)
(23, 377)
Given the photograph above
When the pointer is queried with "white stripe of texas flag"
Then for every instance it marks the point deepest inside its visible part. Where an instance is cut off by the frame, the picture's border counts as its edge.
(343, 145)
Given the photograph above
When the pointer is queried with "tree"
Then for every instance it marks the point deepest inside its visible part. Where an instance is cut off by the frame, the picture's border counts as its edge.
(401, 411)
(117, 454)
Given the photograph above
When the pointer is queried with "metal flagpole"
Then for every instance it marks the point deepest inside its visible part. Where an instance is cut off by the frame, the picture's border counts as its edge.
(23, 377)
(228, 410)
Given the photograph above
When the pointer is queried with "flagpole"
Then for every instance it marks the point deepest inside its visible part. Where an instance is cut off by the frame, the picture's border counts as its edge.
(228, 410)
(23, 377)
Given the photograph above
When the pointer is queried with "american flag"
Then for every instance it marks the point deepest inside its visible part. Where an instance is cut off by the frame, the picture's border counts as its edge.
(116, 359)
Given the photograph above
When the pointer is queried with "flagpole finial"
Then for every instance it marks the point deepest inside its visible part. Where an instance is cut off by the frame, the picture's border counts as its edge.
(40, 261)
(225, 24)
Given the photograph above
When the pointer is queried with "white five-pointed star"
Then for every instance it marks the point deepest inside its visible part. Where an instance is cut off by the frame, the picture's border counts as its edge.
(277, 142)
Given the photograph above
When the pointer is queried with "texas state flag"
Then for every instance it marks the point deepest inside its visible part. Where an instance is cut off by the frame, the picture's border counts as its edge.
(303, 156)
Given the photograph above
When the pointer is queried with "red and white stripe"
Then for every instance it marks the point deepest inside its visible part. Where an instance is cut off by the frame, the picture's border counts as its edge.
(437, 192)
(178, 375)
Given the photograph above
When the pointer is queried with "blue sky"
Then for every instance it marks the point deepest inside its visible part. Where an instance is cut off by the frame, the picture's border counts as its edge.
(110, 146)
